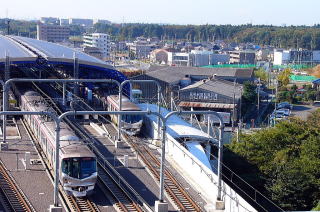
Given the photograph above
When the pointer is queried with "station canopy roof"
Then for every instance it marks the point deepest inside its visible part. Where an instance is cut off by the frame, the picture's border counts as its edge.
(16, 52)
(22, 50)
(53, 52)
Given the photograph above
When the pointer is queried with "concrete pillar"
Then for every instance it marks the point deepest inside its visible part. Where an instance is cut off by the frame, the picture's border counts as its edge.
(55, 208)
(220, 205)
(64, 102)
(126, 160)
(208, 150)
(118, 144)
(75, 74)
(89, 95)
(27, 159)
(4, 146)
(161, 206)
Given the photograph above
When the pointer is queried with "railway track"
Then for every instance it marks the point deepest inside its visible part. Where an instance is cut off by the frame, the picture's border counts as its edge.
(174, 189)
(12, 197)
(82, 204)
(122, 194)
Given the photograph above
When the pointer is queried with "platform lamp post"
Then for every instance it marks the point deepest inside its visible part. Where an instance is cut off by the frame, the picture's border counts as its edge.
(120, 101)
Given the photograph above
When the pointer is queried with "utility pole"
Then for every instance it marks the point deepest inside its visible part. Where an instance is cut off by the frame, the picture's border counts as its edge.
(234, 108)
(8, 27)
(258, 96)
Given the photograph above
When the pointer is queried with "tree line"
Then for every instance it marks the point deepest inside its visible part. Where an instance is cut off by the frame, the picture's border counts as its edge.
(282, 162)
(307, 37)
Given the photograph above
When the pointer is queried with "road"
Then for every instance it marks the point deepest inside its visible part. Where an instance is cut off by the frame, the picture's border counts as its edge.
(303, 111)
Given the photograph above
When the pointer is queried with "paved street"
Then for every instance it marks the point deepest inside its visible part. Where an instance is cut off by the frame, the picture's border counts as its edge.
(303, 111)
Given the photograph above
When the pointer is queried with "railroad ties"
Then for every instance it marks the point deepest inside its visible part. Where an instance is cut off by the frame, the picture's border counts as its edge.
(81, 204)
(123, 202)
(11, 196)
(174, 189)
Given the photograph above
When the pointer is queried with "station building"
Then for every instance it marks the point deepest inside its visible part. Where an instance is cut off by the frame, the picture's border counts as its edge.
(196, 88)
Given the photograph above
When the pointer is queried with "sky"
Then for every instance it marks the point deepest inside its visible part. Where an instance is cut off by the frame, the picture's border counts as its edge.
(235, 12)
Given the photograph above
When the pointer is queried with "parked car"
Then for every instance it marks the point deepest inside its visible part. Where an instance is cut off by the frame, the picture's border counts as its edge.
(316, 103)
(286, 105)
(284, 111)
(277, 116)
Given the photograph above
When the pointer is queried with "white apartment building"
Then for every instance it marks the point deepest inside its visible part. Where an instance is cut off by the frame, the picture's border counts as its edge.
(285, 57)
(100, 41)
(81, 21)
(204, 58)
(52, 33)
(100, 21)
(178, 59)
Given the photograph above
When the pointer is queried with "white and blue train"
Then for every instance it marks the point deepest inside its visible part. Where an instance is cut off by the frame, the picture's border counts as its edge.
(194, 140)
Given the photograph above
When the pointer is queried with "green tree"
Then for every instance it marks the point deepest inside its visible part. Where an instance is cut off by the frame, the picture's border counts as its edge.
(284, 77)
(249, 96)
(262, 74)
(288, 158)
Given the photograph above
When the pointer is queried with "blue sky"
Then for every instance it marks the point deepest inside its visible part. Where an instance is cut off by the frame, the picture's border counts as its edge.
(276, 12)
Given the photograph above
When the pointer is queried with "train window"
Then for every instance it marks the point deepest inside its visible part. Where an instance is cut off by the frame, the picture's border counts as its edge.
(79, 167)
(88, 167)
(131, 118)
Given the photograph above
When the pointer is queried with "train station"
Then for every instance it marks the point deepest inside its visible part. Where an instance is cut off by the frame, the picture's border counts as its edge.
(74, 138)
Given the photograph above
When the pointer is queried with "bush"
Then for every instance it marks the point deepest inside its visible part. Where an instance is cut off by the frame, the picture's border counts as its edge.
(288, 158)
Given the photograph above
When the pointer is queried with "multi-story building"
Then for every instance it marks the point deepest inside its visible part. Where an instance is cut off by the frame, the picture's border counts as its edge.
(100, 21)
(81, 21)
(64, 21)
(169, 56)
(98, 40)
(141, 49)
(179, 59)
(242, 57)
(204, 58)
(52, 32)
(49, 20)
(284, 57)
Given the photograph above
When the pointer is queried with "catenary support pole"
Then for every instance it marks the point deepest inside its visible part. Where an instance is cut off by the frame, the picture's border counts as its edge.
(64, 102)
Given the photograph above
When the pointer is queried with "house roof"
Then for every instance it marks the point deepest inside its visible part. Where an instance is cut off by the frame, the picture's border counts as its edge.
(219, 86)
(172, 74)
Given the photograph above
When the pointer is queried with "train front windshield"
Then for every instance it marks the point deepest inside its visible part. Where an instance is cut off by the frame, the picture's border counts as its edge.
(131, 118)
(79, 167)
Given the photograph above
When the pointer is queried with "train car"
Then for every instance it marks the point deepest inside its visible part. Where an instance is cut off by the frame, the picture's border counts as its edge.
(130, 124)
(194, 140)
(77, 165)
